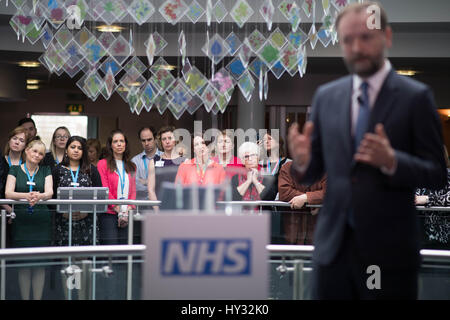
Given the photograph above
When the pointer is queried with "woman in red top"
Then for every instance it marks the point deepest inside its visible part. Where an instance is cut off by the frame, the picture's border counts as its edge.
(201, 169)
(117, 172)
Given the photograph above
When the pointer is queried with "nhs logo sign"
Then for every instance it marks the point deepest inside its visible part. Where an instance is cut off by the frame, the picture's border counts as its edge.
(206, 257)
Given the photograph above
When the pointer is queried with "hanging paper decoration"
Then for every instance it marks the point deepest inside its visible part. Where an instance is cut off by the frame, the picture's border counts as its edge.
(100, 57)
(195, 12)
(241, 12)
(267, 11)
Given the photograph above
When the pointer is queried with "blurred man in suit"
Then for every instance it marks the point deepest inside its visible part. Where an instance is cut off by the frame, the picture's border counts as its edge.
(378, 137)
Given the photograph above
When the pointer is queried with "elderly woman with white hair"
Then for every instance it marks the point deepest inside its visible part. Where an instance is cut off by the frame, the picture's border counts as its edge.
(249, 185)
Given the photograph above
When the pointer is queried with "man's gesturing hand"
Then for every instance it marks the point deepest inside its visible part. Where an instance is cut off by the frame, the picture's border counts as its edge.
(300, 143)
(375, 149)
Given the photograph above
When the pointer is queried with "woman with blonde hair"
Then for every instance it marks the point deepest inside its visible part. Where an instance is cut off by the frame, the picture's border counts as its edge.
(32, 226)
(57, 147)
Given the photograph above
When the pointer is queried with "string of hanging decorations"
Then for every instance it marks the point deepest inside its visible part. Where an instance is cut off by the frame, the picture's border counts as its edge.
(108, 63)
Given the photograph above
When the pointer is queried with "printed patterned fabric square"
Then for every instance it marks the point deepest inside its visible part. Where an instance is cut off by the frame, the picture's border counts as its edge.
(110, 11)
(120, 50)
(141, 11)
(241, 12)
(267, 11)
(236, 68)
(195, 12)
(247, 85)
(173, 10)
(219, 11)
(195, 80)
(234, 43)
(216, 48)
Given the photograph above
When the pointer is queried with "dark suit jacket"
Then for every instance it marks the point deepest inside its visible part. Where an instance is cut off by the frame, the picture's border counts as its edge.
(386, 225)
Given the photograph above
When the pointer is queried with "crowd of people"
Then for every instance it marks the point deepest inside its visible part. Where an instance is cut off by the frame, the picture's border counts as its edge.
(261, 171)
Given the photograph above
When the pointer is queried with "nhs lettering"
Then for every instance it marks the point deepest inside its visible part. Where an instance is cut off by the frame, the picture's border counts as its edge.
(205, 257)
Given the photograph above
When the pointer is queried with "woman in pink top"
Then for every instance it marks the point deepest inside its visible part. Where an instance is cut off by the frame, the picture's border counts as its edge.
(201, 169)
(117, 172)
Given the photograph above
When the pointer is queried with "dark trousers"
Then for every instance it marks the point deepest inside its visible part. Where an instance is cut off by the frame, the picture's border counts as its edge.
(110, 233)
(346, 278)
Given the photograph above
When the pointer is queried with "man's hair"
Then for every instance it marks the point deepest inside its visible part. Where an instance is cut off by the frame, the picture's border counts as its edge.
(152, 130)
(25, 120)
(358, 8)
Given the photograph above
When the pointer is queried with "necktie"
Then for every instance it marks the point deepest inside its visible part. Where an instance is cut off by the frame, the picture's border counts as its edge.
(363, 115)
(361, 127)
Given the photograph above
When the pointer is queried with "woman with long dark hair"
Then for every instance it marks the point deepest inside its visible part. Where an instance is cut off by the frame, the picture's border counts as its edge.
(118, 173)
(75, 171)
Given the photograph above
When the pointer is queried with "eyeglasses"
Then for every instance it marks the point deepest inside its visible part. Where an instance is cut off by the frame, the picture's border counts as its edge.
(248, 156)
(61, 137)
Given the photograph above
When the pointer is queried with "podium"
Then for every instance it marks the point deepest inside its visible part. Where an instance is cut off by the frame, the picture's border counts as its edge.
(82, 193)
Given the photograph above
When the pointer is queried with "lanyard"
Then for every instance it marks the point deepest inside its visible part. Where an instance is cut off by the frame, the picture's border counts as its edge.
(122, 178)
(75, 178)
(30, 179)
(10, 164)
(274, 169)
(57, 161)
(145, 165)
(201, 171)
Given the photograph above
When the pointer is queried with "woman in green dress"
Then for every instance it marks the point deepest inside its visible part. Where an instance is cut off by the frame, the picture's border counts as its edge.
(32, 226)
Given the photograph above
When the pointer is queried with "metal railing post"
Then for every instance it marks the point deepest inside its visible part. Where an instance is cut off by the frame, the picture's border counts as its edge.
(298, 280)
(130, 258)
(85, 292)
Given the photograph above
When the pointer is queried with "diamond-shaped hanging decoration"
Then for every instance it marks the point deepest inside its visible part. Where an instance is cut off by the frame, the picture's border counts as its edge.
(18, 3)
(324, 36)
(63, 36)
(93, 51)
(269, 54)
(278, 70)
(297, 38)
(109, 83)
(149, 94)
(160, 42)
(246, 85)
(236, 68)
(193, 104)
(245, 53)
(106, 39)
(277, 38)
(221, 102)
(209, 9)
(179, 96)
(55, 12)
(177, 113)
(56, 55)
(75, 52)
(312, 34)
(47, 35)
(267, 11)
(162, 76)
(209, 97)
(326, 6)
(256, 40)
(302, 60)
(241, 12)
(120, 50)
(173, 10)
(216, 48)
(133, 98)
(256, 66)
(195, 80)
(289, 59)
(186, 68)
(110, 63)
(308, 7)
(234, 43)
(295, 17)
(141, 10)
(136, 63)
(219, 11)
(161, 103)
(83, 36)
(93, 84)
(109, 11)
(132, 78)
(34, 35)
(285, 8)
(223, 82)
(73, 71)
(195, 12)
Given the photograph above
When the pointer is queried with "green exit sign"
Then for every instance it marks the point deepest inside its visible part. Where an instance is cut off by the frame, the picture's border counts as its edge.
(75, 108)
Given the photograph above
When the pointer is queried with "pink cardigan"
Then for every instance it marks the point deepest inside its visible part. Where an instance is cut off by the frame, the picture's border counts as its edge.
(111, 180)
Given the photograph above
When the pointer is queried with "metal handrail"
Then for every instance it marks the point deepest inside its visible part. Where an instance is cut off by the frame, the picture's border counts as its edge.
(158, 203)
(297, 251)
